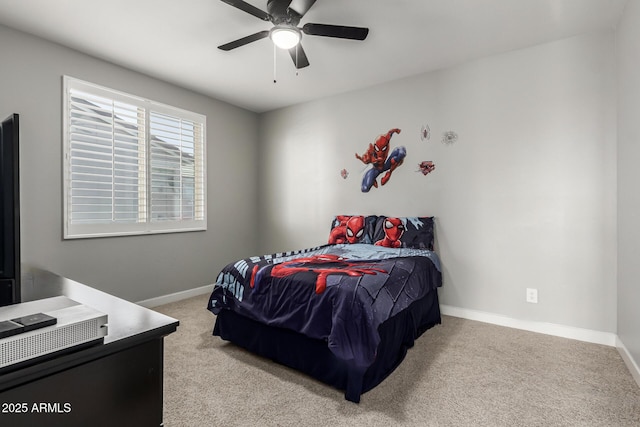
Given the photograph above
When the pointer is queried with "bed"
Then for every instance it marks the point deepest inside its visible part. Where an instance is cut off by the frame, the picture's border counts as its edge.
(345, 312)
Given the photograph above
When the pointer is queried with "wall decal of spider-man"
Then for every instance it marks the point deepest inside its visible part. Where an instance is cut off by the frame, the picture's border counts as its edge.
(393, 230)
(381, 161)
(322, 265)
(349, 230)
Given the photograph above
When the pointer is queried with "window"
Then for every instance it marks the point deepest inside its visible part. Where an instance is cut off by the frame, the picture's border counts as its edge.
(131, 166)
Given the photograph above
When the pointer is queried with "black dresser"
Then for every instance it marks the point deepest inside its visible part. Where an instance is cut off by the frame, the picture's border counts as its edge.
(116, 383)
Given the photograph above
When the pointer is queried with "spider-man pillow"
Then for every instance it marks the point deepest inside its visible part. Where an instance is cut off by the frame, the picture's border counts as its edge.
(404, 232)
(352, 229)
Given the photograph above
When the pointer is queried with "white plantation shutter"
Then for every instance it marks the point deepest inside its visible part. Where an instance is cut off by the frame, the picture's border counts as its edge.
(132, 166)
(176, 168)
(107, 160)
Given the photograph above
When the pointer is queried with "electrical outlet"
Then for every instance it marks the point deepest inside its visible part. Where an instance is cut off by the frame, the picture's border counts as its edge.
(532, 295)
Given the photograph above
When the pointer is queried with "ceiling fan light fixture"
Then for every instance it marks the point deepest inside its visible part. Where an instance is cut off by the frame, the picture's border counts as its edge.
(284, 36)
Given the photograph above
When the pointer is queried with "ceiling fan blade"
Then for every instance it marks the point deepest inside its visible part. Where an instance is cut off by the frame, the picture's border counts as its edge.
(301, 7)
(299, 57)
(245, 40)
(246, 7)
(338, 31)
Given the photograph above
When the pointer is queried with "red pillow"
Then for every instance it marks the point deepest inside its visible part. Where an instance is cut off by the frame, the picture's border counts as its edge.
(352, 229)
(404, 232)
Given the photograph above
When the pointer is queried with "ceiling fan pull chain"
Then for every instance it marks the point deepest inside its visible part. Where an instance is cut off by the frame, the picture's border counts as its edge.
(274, 63)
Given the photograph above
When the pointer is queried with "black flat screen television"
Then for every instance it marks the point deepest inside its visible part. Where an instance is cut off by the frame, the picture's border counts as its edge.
(9, 211)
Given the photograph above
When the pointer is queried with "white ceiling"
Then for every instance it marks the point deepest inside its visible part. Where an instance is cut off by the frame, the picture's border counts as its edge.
(176, 40)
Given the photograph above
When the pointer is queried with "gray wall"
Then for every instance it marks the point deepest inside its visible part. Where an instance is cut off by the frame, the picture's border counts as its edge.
(135, 268)
(628, 45)
(524, 199)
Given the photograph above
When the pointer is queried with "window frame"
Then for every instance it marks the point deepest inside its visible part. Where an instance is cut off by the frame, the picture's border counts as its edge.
(149, 226)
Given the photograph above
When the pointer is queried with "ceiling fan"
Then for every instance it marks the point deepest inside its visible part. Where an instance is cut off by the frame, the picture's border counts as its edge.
(285, 16)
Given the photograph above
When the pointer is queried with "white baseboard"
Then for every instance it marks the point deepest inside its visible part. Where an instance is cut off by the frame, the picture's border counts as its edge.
(178, 296)
(580, 334)
(628, 360)
(571, 332)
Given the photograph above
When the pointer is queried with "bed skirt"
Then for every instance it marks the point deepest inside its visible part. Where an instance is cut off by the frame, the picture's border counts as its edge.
(313, 357)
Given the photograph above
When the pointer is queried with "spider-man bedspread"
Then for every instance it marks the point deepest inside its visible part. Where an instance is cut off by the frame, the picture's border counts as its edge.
(338, 293)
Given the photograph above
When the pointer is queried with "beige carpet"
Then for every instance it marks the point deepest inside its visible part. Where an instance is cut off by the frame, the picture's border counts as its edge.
(460, 373)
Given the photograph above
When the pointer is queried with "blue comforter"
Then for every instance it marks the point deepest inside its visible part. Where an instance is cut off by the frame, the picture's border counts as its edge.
(338, 293)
